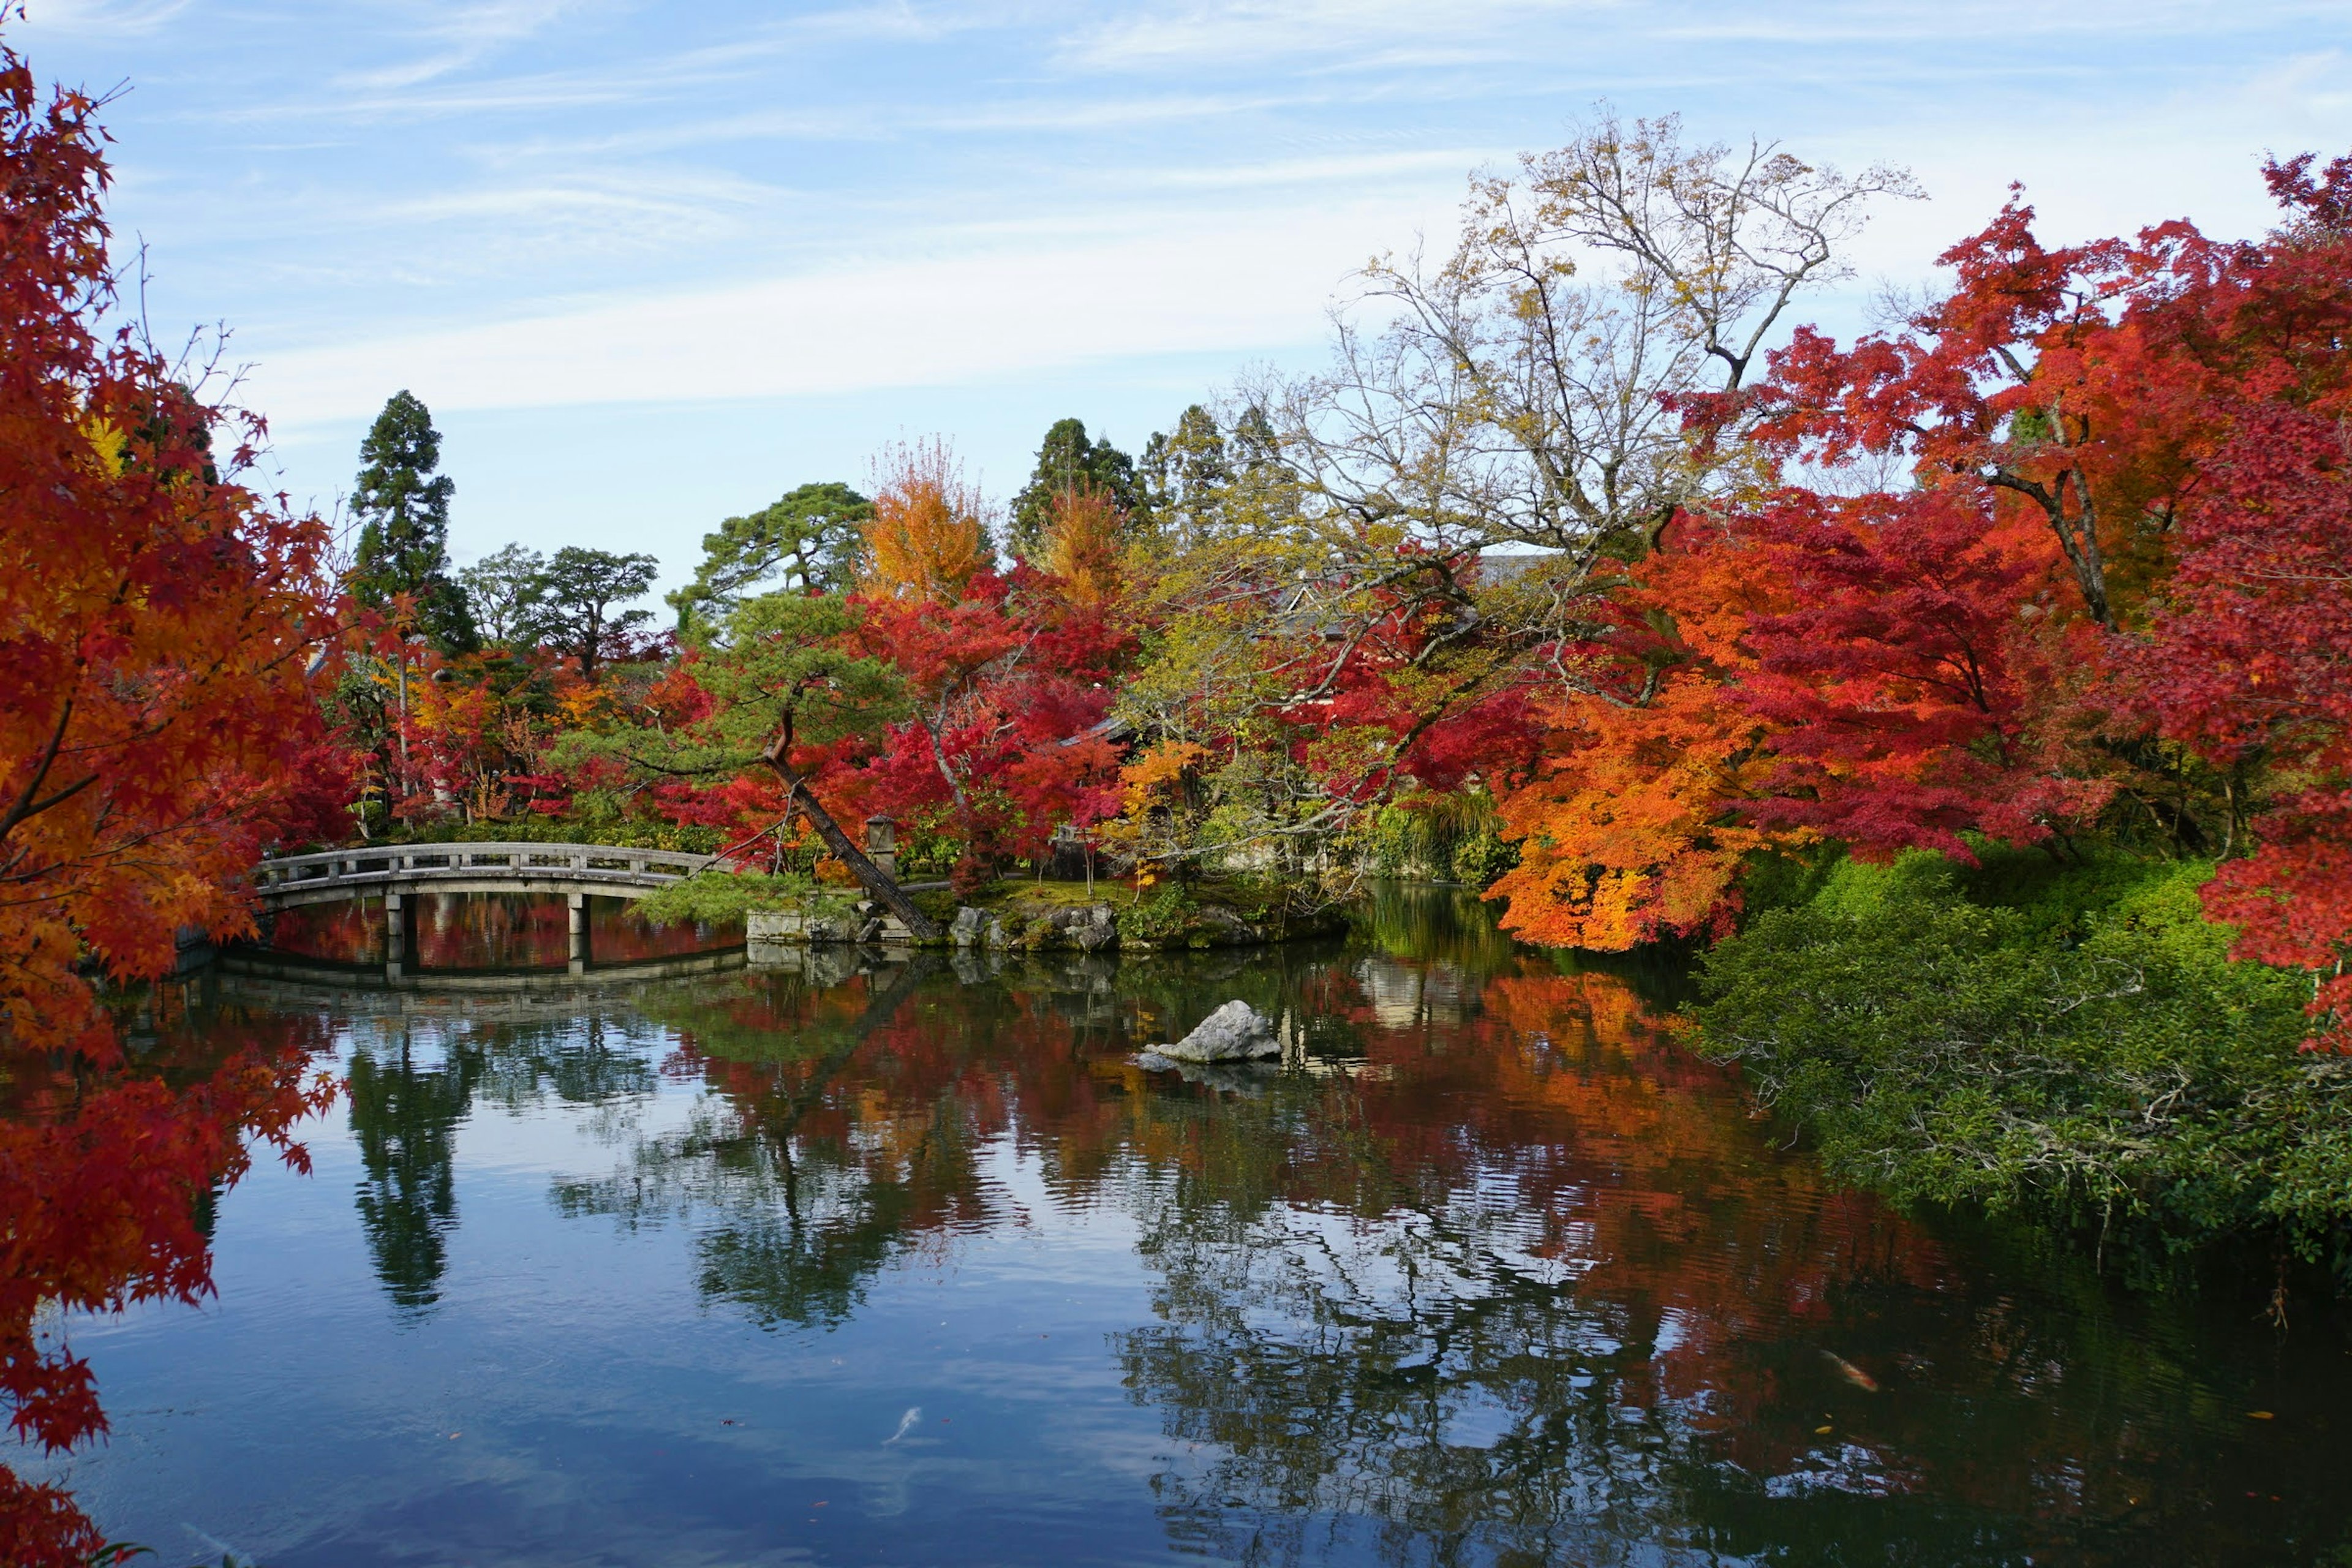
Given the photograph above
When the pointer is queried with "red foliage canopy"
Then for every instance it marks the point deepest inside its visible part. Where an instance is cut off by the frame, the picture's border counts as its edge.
(155, 720)
(2121, 556)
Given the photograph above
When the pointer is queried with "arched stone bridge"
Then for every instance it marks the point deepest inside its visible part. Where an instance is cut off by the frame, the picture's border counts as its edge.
(396, 869)
(396, 872)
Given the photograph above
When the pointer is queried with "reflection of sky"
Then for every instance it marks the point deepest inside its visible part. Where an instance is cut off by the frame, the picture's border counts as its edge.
(1569, 1302)
(738, 246)
(589, 1382)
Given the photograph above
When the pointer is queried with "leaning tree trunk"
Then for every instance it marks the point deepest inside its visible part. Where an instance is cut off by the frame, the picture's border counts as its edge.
(877, 881)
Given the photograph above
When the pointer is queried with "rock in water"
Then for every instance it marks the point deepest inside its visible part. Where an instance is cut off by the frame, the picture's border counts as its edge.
(1236, 1032)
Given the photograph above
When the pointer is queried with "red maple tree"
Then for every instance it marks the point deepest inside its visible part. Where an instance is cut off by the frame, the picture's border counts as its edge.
(156, 721)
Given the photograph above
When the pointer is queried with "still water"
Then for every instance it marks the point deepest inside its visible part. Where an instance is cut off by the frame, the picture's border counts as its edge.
(903, 1262)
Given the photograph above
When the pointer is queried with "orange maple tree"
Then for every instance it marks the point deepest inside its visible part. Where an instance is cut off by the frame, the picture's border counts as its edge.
(2111, 597)
(926, 537)
(1082, 546)
(156, 620)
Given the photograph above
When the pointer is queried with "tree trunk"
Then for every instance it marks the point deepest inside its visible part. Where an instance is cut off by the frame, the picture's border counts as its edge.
(877, 881)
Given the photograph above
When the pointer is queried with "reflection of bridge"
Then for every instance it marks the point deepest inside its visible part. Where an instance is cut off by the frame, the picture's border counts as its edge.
(397, 871)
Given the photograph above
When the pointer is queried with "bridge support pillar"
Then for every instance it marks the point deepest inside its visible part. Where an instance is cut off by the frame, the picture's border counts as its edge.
(396, 916)
(576, 910)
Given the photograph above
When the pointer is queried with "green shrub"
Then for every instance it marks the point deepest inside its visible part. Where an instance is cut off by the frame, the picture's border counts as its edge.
(1160, 919)
(713, 898)
(2071, 1039)
(1453, 838)
(620, 835)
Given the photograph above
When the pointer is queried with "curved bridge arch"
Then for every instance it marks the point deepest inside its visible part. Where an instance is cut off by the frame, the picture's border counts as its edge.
(401, 868)
(396, 872)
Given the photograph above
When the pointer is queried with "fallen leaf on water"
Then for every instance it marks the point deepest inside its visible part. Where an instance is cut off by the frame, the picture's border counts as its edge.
(1821, 1431)
(2262, 1414)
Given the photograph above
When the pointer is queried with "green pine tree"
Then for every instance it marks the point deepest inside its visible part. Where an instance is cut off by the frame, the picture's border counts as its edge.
(404, 511)
(805, 541)
(1185, 477)
(577, 595)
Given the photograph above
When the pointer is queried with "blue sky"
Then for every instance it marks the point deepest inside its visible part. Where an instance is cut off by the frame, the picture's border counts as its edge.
(653, 264)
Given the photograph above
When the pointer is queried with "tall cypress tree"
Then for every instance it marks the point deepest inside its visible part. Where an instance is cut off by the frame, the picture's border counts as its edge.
(1067, 460)
(404, 511)
(1184, 477)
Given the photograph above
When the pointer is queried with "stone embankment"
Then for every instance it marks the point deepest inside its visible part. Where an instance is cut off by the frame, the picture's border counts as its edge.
(1021, 925)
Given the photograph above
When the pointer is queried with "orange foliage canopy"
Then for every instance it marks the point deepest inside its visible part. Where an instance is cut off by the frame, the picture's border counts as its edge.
(925, 539)
(1082, 538)
(155, 620)
(2120, 558)
(1629, 828)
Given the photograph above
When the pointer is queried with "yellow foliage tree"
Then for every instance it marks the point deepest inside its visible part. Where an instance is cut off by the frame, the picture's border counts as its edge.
(1082, 545)
(926, 538)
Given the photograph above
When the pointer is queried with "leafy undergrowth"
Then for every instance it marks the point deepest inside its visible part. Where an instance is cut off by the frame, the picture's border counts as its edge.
(714, 897)
(1029, 913)
(2069, 1040)
(685, 838)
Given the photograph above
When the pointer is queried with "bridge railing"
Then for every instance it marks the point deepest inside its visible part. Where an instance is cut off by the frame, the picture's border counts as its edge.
(368, 865)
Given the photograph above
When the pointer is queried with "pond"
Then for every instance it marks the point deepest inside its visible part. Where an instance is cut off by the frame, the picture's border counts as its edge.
(879, 1260)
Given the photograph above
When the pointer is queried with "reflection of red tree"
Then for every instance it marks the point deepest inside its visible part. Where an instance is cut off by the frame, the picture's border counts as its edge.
(1598, 1225)
(491, 930)
(1640, 1172)
(1635, 1165)
(488, 931)
(615, 935)
(348, 930)
(102, 1173)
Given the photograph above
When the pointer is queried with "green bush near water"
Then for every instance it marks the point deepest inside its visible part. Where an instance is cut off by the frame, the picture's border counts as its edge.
(2072, 1041)
(717, 898)
(1454, 838)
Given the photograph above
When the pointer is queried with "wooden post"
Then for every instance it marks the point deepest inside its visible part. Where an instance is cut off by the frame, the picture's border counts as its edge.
(576, 910)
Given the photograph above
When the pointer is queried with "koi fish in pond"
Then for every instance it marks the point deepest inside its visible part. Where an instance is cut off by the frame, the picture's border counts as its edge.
(1851, 1373)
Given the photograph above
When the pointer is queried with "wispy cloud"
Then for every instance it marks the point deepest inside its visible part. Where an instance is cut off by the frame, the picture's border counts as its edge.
(1255, 33)
(2117, 26)
(541, 203)
(1241, 284)
(459, 36)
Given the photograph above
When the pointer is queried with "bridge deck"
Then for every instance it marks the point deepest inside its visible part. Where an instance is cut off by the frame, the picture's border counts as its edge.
(595, 869)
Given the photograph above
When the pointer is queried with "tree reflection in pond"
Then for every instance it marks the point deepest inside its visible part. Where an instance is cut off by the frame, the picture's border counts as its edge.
(413, 1084)
(1489, 1269)
(404, 1118)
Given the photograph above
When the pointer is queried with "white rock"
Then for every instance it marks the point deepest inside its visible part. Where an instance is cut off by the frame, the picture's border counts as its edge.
(1234, 1032)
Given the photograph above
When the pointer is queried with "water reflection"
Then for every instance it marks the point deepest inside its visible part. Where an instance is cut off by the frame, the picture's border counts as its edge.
(1495, 1271)
(1488, 1269)
(407, 1102)
(344, 931)
(456, 933)
(404, 1117)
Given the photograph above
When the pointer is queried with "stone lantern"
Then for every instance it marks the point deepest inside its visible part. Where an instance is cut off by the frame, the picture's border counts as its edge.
(882, 845)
